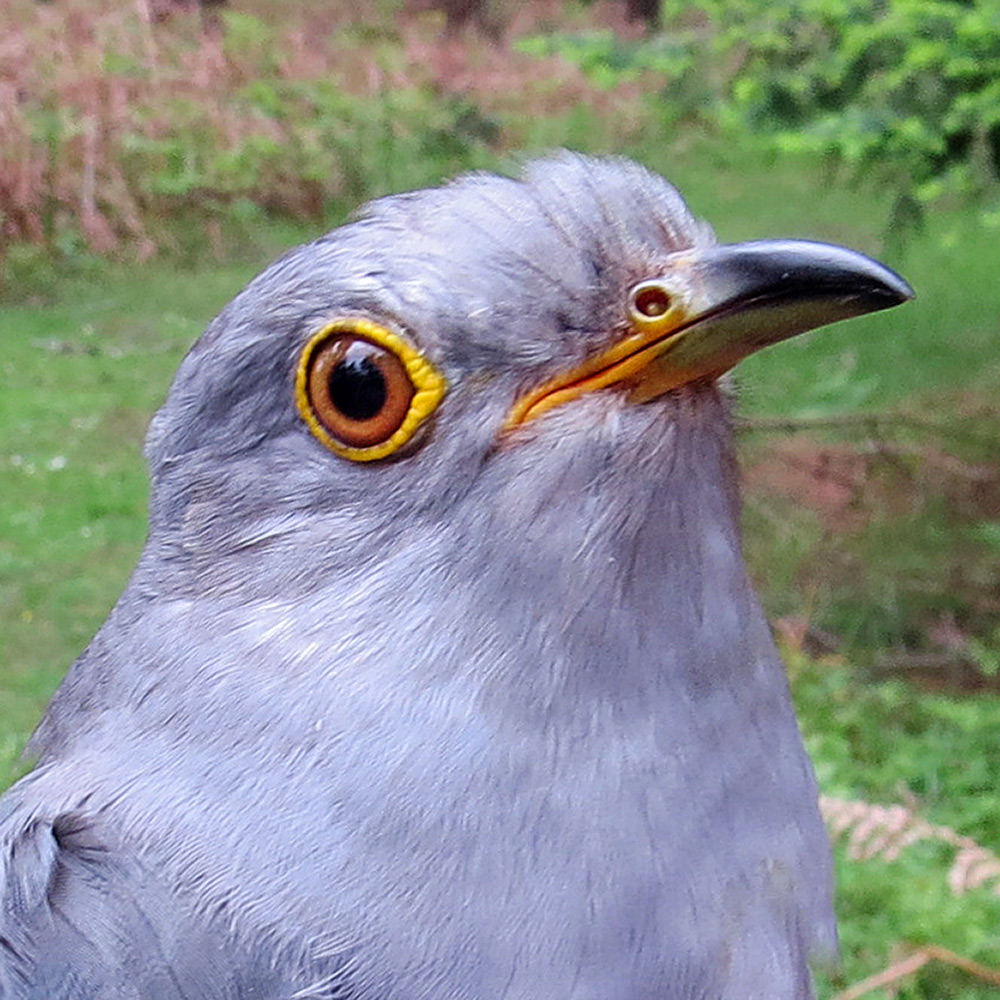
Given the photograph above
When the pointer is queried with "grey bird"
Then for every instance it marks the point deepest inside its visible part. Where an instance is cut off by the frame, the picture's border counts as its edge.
(440, 676)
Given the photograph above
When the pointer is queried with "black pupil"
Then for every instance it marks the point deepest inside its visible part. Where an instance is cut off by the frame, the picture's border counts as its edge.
(357, 388)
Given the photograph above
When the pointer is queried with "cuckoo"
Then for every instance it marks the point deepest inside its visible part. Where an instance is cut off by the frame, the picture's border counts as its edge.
(440, 676)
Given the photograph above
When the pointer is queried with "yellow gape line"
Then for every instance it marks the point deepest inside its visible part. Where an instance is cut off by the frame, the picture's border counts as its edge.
(411, 388)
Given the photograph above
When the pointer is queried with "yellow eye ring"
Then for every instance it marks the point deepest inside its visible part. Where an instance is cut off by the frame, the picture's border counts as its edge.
(363, 389)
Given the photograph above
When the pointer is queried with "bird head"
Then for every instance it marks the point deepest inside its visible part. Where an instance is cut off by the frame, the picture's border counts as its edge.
(525, 358)
(503, 397)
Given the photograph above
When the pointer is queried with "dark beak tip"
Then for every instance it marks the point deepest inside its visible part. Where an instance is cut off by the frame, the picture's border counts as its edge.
(887, 296)
(895, 289)
(879, 286)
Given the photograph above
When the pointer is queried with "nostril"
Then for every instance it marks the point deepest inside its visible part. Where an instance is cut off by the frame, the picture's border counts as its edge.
(650, 300)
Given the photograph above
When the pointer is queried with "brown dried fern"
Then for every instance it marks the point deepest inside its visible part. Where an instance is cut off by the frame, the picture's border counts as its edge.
(875, 831)
(911, 964)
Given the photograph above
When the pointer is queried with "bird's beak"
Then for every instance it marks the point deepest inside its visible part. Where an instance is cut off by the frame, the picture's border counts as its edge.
(717, 305)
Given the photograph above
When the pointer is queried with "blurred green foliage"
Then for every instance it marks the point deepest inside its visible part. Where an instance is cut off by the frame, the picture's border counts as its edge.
(901, 93)
(321, 149)
(904, 93)
(608, 60)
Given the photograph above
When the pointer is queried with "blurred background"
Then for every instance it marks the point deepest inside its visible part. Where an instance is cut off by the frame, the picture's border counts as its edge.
(155, 154)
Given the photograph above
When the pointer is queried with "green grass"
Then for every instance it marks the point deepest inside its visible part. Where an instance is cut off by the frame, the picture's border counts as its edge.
(889, 743)
(85, 365)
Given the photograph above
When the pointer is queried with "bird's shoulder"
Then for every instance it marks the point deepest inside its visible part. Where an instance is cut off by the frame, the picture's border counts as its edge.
(82, 915)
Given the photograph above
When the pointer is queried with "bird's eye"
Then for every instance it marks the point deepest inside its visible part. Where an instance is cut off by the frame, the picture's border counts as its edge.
(364, 390)
(649, 300)
(359, 390)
